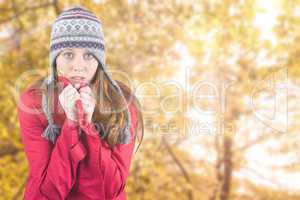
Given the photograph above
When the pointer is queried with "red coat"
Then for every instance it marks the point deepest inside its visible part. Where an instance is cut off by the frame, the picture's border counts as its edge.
(75, 167)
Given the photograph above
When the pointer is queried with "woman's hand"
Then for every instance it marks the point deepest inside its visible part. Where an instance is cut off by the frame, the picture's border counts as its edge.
(67, 99)
(88, 101)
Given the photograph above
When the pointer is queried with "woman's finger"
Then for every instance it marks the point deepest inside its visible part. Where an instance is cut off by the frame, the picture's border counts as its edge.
(86, 96)
(85, 89)
(88, 105)
(70, 91)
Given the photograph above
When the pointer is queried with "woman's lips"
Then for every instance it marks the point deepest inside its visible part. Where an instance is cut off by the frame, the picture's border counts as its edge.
(77, 77)
(78, 81)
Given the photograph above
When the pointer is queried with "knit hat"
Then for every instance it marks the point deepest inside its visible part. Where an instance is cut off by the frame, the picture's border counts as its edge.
(77, 27)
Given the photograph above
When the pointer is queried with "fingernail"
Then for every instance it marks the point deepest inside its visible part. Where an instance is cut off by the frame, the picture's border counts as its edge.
(77, 85)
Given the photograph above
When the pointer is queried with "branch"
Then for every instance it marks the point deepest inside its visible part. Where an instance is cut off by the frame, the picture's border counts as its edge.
(181, 167)
(218, 166)
(56, 7)
(227, 160)
(8, 149)
(15, 9)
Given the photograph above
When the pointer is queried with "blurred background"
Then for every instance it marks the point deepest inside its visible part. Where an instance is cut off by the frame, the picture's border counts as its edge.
(218, 81)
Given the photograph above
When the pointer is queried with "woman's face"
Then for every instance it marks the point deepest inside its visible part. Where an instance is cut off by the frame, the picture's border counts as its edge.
(76, 63)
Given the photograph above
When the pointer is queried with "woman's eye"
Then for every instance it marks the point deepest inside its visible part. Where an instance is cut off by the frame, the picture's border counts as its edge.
(88, 56)
(68, 55)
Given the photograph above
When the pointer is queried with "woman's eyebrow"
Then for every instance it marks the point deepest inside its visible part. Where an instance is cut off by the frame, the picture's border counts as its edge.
(67, 49)
(87, 51)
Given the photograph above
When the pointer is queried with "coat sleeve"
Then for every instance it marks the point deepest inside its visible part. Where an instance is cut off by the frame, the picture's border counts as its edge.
(52, 168)
(114, 163)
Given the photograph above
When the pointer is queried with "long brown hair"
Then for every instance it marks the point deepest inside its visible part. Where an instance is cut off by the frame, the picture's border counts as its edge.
(109, 105)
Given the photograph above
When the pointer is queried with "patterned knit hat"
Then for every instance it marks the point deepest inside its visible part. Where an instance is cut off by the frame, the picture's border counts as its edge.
(77, 27)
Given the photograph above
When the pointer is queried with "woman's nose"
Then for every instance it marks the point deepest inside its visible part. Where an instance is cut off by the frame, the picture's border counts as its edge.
(78, 69)
(79, 64)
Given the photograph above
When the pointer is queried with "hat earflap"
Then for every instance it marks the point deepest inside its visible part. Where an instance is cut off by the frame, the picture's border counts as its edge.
(53, 130)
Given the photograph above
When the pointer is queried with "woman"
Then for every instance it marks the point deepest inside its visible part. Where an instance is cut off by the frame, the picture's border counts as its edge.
(73, 156)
